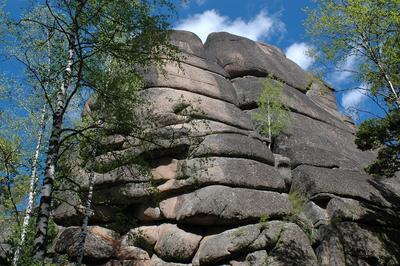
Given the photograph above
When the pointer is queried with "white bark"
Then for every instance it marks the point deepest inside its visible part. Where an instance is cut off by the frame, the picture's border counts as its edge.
(32, 187)
(40, 242)
(87, 211)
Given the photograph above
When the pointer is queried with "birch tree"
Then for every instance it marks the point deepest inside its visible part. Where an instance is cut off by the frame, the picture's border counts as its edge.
(32, 188)
(271, 114)
(369, 32)
(84, 33)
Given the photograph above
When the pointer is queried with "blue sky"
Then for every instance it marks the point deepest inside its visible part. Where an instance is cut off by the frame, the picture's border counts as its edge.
(277, 22)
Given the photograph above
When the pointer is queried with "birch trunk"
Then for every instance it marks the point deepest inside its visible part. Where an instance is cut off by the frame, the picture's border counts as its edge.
(32, 186)
(88, 212)
(40, 242)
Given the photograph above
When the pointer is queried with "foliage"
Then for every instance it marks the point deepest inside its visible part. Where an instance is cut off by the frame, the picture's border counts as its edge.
(382, 135)
(297, 200)
(13, 183)
(13, 190)
(14, 238)
(71, 49)
(264, 219)
(272, 115)
(366, 30)
(369, 32)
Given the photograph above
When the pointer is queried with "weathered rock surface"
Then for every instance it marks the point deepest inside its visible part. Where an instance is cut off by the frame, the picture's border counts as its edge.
(175, 244)
(249, 89)
(199, 185)
(242, 57)
(235, 172)
(221, 204)
(188, 78)
(100, 244)
(349, 243)
(171, 106)
(318, 182)
(233, 145)
(311, 142)
(218, 247)
(293, 248)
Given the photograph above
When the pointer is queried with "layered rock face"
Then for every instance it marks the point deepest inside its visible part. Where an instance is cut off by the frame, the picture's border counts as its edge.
(213, 193)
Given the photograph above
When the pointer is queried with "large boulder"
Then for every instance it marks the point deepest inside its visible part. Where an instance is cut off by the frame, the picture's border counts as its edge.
(225, 205)
(232, 242)
(242, 57)
(234, 145)
(293, 248)
(175, 244)
(193, 52)
(317, 182)
(349, 243)
(100, 243)
(249, 90)
(312, 142)
(171, 106)
(190, 78)
(234, 172)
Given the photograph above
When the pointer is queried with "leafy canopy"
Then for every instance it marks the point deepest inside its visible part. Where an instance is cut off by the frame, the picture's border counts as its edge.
(383, 135)
(369, 30)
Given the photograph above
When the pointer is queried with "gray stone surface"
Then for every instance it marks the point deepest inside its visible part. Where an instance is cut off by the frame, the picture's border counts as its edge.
(174, 244)
(330, 251)
(225, 205)
(234, 172)
(343, 209)
(316, 215)
(156, 261)
(241, 57)
(308, 141)
(249, 89)
(124, 194)
(348, 243)
(230, 243)
(5, 253)
(324, 97)
(283, 165)
(317, 182)
(189, 78)
(193, 51)
(132, 253)
(100, 243)
(124, 263)
(201, 128)
(234, 145)
(293, 248)
(171, 106)
(211, 192)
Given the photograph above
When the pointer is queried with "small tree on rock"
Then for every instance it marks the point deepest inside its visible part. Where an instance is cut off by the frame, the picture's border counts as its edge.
(272, 115)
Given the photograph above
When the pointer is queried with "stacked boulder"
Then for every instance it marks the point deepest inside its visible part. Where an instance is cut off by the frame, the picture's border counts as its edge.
(213, 193)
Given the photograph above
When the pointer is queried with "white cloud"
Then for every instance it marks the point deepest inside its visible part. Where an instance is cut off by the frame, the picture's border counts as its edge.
(354, 98)
(200, 2)
(345, 68)
(297, 52)
(261, 26)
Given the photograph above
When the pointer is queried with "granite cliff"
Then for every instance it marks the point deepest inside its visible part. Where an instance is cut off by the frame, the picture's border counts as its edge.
(214, 193)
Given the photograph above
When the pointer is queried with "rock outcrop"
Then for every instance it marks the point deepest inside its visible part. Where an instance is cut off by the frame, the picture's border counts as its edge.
(212, 192)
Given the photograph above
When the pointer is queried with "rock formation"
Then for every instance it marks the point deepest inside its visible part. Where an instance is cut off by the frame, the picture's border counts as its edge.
(214, 193)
